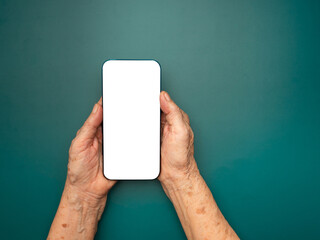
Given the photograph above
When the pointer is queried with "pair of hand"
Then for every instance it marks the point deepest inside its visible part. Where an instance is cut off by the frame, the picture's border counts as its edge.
(85, 174)
(84, 197)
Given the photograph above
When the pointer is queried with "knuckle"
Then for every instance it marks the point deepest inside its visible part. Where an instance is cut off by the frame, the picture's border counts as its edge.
(88, 122)
(191, 135)
(184, 131)
(70, 151)
(73, 142)
(72, 178)
(184, 116)
(187, 117)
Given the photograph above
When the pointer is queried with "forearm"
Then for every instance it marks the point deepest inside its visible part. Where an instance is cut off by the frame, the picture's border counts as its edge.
(196, 208)
(77, 216)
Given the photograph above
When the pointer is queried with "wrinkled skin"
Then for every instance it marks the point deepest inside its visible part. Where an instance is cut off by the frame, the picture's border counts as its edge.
(85, 194)
(85, 158)
(85, 153)
(177, 148)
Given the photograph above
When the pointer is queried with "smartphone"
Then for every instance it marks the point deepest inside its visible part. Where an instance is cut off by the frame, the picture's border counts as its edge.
(131, 119)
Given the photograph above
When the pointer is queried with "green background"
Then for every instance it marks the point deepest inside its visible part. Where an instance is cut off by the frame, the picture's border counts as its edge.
(246, 72)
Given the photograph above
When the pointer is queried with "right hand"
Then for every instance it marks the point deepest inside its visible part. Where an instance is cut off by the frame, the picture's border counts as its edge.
(177, 160)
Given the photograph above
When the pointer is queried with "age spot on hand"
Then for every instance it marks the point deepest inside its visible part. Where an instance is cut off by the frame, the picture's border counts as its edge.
(64, 225)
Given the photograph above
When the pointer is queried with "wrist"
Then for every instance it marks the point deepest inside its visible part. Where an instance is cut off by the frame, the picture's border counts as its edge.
(181, 179)
(78, 214)
(74, 195)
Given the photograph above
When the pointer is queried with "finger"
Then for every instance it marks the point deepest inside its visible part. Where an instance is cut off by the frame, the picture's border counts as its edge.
(89, 128)
(100, 101)
(99, 134)
(163, 120)
(185, 117)
(96, 143)
(170, 109)
(163, 123)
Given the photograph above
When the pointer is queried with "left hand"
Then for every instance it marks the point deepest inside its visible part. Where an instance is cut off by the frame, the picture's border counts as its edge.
(85, 175)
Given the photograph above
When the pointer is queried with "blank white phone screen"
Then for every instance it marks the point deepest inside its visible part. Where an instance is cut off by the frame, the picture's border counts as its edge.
(131, 119)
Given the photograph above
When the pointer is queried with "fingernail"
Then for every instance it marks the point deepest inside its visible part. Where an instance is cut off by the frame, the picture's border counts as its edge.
(166, 96)
(95, 108)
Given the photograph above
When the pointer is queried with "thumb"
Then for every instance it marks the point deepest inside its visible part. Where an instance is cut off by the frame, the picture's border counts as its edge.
(170, 109)
(89, 128)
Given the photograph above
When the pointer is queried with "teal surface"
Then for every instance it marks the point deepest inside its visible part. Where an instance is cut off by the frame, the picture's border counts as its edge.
(246, 72)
